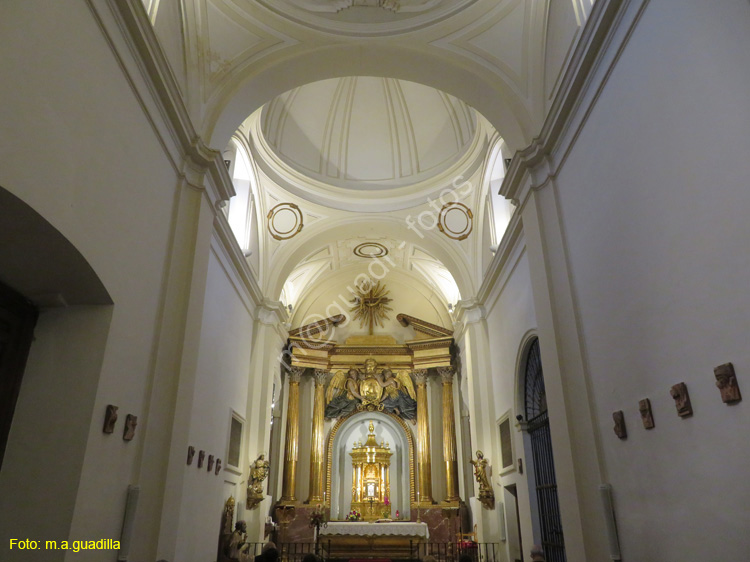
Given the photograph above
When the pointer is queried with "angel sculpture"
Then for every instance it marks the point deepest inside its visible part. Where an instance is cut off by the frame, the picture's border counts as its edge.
(343, 394)
(400, 397)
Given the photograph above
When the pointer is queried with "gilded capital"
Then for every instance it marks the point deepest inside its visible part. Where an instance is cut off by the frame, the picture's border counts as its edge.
(295, 373)
(420, 375)
(446, 373)
(320, 376)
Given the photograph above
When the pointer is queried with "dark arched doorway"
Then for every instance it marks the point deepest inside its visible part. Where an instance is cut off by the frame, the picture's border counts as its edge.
(537, 420)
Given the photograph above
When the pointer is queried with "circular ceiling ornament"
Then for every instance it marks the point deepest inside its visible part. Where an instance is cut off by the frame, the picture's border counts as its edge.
(284, 221)
(456, 220)
(370, 250)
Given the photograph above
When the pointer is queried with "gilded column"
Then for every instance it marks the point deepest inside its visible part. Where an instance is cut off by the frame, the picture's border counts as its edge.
(449, 436)
(317, 447)
(423, 438)
(291, 450)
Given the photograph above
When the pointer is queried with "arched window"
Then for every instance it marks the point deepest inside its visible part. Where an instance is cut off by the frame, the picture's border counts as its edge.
(535, 406)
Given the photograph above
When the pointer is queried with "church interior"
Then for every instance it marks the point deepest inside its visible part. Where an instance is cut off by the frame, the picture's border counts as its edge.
(374, 279)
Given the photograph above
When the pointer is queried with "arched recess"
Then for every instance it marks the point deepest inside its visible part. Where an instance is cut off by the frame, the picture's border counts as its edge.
(341, 429)
(40, 263)
(488, 93)
(545, 505)
(63, 370)
(326, 232)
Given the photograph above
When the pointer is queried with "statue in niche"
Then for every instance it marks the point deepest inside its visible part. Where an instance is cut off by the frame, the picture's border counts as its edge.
(726, 382)
(681, 399)
(210, 466)
(644, 407)
(201, 458)
(373, 389)
(190, 455)
(486, 495)
(619, 428)
(258, 472)
(110, 418)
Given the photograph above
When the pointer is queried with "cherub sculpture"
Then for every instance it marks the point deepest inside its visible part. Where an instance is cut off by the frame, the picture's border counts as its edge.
(371, 388)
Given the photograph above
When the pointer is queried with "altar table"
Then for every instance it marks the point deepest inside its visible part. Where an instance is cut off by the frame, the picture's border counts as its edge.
(354, 539)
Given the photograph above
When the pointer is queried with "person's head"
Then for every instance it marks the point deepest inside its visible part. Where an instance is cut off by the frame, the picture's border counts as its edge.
(268, 546)
(270, 555)
(240, 526)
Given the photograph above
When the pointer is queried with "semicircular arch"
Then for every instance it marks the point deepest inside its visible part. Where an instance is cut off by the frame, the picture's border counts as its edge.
(398, 425)
(487, 93)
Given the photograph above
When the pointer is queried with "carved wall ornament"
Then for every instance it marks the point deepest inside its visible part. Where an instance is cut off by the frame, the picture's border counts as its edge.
(210, 466)
(647, 417)
(259, 470)
(619, 428)
(455, 220)
(201, 458)
(486, 495)
(681, 400)
(218, 466)
(190, 455)
(129, 432)
(285, 221)
(726, 382)
(110, 418)
(371, 388)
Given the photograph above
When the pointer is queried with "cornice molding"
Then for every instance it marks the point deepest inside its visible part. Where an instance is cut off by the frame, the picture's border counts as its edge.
(272, 313)
(503, 262)
(469, 311)
(231, 247)
(533, 167)
(201, 166)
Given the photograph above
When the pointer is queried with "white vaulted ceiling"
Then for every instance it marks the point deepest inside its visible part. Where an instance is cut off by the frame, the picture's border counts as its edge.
(368, 133)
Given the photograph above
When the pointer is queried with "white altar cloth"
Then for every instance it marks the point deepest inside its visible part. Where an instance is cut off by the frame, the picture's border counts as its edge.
(402, 528)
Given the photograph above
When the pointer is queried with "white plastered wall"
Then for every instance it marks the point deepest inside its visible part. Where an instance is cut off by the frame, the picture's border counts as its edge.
(653, 200)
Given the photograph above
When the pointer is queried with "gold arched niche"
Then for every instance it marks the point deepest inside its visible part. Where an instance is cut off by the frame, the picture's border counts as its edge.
(329, 453)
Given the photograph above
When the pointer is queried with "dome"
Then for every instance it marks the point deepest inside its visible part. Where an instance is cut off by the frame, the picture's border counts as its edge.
(368, 133)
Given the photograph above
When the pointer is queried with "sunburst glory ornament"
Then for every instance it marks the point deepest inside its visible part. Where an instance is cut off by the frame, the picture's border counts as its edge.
(370, 305)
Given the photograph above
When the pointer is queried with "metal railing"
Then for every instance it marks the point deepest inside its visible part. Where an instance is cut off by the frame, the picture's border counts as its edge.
(442, 552)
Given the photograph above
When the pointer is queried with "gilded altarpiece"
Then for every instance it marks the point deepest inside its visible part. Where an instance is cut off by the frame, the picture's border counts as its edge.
(371, 486)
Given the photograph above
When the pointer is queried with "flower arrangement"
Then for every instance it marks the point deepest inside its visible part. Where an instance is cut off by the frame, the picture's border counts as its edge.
(353, 515)
(386, 508)
(318, 517)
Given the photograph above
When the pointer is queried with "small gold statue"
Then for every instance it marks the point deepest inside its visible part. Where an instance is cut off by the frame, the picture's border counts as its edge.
(486, 495)
(258, 472)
